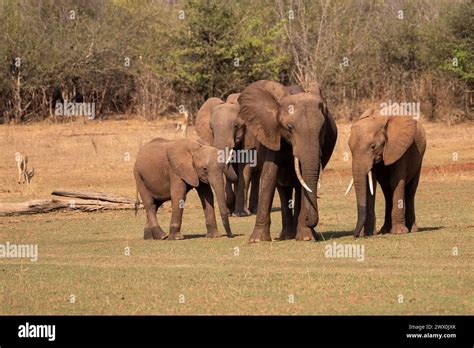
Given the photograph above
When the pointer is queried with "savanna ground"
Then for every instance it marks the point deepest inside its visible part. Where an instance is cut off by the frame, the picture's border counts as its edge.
(83, 254)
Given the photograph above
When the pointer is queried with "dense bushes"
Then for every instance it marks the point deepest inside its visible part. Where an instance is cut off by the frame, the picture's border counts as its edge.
(149, 57)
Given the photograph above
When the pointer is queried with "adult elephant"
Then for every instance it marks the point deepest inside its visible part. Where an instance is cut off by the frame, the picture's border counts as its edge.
(294, 127)
(218, 124)
(388, 150)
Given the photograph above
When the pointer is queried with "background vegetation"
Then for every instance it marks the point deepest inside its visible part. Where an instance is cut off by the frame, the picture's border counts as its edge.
(149, 57)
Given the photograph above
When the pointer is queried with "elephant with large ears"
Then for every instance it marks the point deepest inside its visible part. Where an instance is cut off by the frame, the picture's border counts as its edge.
(218, 124)
(388, 150)
(166, 170)
(298, 134)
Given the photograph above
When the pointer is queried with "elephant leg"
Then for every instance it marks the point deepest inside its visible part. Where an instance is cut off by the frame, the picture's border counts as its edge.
(241, 190)
(255, 182)
(286, 196)
(261, 231)
(410, 191)
(229, 196)
(398, 205)
(178, 199)
(387, 192)
(303, 232)
(152, 229)
(207, 201)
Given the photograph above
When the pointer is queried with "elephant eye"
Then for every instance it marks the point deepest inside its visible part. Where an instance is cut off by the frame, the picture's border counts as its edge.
(204, 168)
(372, 146)
(289, 126)
(236, 125)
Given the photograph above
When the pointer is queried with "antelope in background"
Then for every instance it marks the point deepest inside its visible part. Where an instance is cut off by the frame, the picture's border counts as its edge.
(24, 175)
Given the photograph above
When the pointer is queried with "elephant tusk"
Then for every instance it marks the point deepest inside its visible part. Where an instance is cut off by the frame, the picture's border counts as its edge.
(371, 184)
(350, 186)
(320, 175)
(298, 175)
(230, 156)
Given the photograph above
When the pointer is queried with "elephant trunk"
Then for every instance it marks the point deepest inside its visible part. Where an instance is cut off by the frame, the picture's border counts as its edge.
(360, 183)
(222, 143)
(310, 165)
(218, 187)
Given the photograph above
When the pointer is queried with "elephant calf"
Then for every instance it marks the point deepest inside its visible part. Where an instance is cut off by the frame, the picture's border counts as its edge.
(388, 150)
(167, 170)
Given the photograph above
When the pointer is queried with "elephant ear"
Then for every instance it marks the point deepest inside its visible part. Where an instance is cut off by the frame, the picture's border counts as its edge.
(260, 108)
(233, 98)
(181, 160)
(203, 119)
(329, 132)
(329, 138)
(400, 135)
(249, 141)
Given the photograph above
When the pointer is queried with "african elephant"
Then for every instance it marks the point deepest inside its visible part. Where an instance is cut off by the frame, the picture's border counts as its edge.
(387, 149)
(218, 124)
(294, 127)
(167, 169)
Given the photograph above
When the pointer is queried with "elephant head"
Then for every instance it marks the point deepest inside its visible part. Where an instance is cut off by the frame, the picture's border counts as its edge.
(273, 112)
(194, 162)
(375, 138)
(218, 123)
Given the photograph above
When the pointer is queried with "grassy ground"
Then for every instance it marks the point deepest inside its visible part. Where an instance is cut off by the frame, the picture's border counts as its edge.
(83, 254)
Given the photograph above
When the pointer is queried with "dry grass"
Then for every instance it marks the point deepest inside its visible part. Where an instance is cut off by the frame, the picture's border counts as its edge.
(83, 253)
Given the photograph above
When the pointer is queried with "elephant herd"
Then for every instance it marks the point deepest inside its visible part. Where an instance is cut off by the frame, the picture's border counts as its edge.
(292, 134)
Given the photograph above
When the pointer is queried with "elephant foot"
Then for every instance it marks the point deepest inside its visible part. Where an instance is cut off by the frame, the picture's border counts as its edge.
(157, 233)
(212, 234)
(414, 227)
(385, 229)
(260, 234)
(212, 231)
(304, 233)
(175, 236)
(368, 231)
(230, 209)
(399, 229)
(360, 234)
(287, 233)
(242, 212)
(147, 233)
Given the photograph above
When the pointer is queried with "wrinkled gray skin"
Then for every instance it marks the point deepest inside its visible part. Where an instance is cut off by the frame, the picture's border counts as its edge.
(391, 148)
(167, 170)
(288, 122)
(218, 124)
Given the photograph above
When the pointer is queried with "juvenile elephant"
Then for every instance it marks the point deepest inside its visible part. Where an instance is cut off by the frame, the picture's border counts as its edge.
(218, 124)
(388, 150)
(294, 127)
(167, 169)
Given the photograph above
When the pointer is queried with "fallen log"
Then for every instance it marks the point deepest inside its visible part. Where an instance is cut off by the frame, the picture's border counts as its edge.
(101, 196)
(31, 207)
(48, 205)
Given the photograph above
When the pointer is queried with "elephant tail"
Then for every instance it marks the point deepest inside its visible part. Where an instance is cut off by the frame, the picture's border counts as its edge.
(137, 202)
